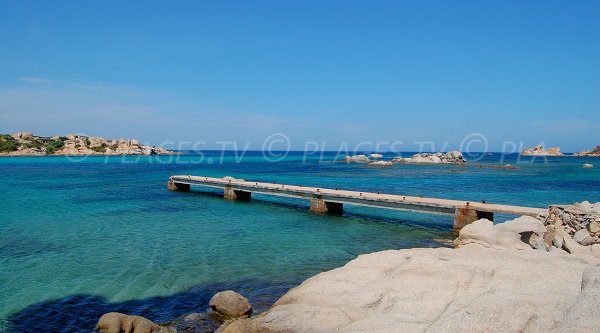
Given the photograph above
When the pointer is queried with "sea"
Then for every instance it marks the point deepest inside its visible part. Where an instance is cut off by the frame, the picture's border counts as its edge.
(82, 236)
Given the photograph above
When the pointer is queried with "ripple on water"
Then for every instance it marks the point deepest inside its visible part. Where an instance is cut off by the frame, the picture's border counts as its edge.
(81, 239)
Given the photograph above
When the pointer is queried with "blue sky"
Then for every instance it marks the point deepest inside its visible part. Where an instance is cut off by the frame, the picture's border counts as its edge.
(324, 71)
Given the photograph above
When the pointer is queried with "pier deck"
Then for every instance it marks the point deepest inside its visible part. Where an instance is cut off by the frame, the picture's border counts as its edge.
(332, 200)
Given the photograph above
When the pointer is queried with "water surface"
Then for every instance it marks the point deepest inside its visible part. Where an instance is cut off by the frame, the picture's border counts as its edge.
(80, 238)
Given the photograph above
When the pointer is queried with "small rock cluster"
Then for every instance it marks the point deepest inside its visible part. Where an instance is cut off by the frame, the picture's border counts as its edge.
(381, 164)
(593, 152)
(357, 159)
(580, 221)
(451, 157)
(225, 305)
(574, 228)
(528, 232)
(539, 150)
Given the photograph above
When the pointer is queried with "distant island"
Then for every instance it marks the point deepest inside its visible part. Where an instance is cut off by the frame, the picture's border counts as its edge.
(539, 150)
(27, 144)
(593, 152)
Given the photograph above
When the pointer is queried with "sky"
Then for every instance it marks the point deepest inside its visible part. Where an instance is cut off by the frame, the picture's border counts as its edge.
(317, 73)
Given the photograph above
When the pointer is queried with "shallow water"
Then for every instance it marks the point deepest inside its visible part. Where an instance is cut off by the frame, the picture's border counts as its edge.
(78, 239)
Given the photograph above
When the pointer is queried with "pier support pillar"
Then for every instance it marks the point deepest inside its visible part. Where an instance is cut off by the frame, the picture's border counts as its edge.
(321, 206)
(232, 194)
(173, 186)
(467, 215)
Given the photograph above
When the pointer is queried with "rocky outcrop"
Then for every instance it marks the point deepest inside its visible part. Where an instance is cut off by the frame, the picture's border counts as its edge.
(593, 152)
(27, 144)
(114, 322)
(507, 235)
(492, 282)
(356, 159)
(541, 151)
(527, 233)
(230, 304)
(381, 164)
(573, 218)
(451, 157)
(22, 135)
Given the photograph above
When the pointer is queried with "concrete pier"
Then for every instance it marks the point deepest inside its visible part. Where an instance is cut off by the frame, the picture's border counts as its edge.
(182, 187)
(317, 204)
(231, 194)
(467, 215)
(331, 201)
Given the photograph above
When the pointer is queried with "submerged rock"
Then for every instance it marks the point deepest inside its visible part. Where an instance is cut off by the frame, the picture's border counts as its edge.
(115, 322)
(588, 166)
(230, 304)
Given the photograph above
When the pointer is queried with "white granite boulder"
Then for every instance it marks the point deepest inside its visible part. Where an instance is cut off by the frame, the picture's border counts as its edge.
(470, 289)
(356, 159)
(451, 157)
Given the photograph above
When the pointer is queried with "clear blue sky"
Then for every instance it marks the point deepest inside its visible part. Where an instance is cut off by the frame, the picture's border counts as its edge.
(314, 70)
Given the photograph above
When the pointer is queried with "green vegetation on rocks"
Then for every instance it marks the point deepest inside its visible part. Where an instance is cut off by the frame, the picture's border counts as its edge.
(99, 149)
(7, 143)
(33, 143)
(53, 146)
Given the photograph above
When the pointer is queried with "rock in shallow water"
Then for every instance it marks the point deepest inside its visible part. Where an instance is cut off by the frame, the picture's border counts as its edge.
(356, 158)
(384, 164)
(115, 322)
(230, 304)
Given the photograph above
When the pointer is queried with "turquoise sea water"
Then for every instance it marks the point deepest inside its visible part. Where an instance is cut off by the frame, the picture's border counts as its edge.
(81, 238)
